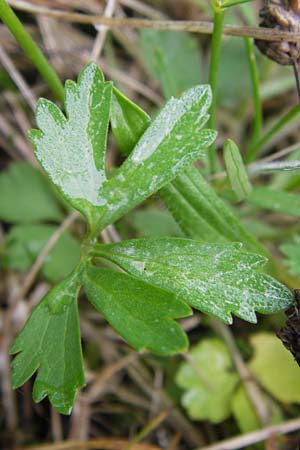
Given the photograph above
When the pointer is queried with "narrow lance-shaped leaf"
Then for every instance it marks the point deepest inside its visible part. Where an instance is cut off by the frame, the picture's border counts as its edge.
(171, 143)
(72, 149)
(142, 314)
(218, 279)
(128, 121)
(236, 171)
(202, 214)
(50, 344)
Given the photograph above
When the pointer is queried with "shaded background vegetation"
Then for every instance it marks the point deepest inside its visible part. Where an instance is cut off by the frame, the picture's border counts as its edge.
(233, 381)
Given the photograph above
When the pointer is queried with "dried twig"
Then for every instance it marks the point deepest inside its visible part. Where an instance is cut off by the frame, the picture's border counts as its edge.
(154, 423)
(16, 76)
(105, 444)
(143, 8)
(195, 26)
(252, 389)
(255, 437)
(11, 134)
(102, 30)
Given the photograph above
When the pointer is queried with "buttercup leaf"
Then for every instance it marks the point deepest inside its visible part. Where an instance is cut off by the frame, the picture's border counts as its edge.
(208, 380)
(218, 279)
(142, 314)
(50, 344)
(172, 142)
(72, 148)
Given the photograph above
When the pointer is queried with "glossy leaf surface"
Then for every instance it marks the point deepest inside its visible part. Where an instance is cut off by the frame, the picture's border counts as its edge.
(194, 204)
(72, 148)
(172, 142)
(50, 344)
(217, 279)
(142, 314)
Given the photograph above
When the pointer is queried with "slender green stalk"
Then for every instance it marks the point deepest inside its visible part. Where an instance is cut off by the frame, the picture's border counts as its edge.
(258, 145)
(31, 50)
(213, 78)
(257, 123)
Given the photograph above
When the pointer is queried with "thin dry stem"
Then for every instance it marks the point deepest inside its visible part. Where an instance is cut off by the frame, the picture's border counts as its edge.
(102, 30)
(255, 437)
(152, 425)
(16, 76)
(105, 444)
(11, 134)
(195, 26)
(252, 389)
(142, 8)
(30, 277)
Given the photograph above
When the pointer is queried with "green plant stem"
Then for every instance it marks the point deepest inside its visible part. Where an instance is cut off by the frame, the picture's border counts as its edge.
(257, 123)
(258, 145)
(213, 78)
(31, 50)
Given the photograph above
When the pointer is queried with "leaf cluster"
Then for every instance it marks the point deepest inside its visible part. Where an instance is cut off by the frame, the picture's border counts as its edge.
(162, 278)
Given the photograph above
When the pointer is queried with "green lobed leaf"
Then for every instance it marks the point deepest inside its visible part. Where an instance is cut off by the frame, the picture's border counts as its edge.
(23, 243)
(128, 121)
(292, 252)
(26, 195)
(142, 314)
(171, 143)
(50, 344)
(208, 380)
(193, 203)
(72, 148)
(275, 368)
(236, 170)
(218, 279)
(275, 200)
(167, 55)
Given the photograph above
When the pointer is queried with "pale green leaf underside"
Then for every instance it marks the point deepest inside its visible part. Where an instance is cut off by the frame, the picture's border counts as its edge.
(72, 148)
(275, 368)
(50, 344)
(172, 142)
(218, 279)
(208, 381)
(142, 314)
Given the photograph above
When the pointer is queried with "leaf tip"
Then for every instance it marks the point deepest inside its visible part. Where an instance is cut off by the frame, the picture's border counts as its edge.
(89, 73)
